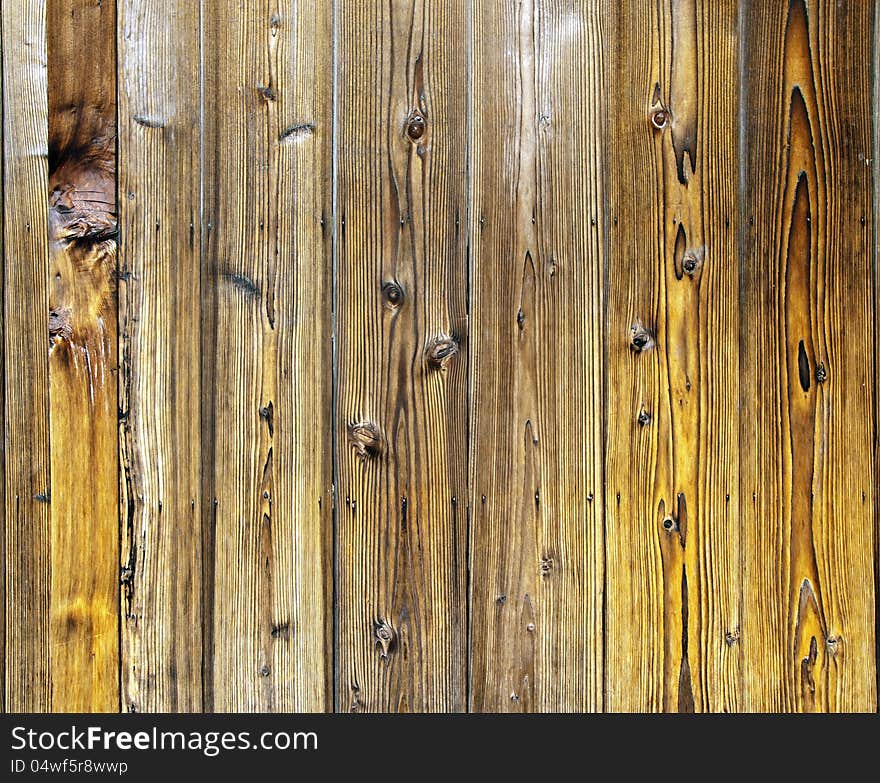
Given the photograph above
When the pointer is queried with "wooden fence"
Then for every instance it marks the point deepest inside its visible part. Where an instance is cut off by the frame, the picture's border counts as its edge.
(439, 355)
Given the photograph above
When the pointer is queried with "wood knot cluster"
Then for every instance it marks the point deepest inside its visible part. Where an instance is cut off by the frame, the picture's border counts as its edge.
(366, 439)
(440, 350)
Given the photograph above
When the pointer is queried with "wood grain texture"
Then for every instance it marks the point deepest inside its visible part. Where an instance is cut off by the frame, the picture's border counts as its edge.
(84, 627)
(536, 414)
(401, 355)
(159, 352)
(3, 403)
(672, 623)
(807, 470)
(26, 334)
(267, 355)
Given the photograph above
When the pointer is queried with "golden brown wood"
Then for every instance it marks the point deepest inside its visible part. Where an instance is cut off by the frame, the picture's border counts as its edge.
(672, 587)
(84, 627)
(25, 316)
(266, 355)
(159, 349)
(807, 471)
(401, 333)
(536, 428)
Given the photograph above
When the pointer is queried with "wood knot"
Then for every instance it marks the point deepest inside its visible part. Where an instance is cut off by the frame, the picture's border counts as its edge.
(689, 263)
(392, 293)
(644, 418)
(415, 126)
(821, 373)
(386, 638)
(440, 349)
(60, 327)
(669, 524)
(366, 439)
(660, 118)
(641, 339)
(546, 566)
(731, 637)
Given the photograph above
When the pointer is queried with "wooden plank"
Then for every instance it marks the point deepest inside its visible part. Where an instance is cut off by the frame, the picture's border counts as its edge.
(3, 403)
(672, 621)
(401, 355)
(84, 629)
(266, 342)
(807, 470)
(159, 348)
(536, 416)
(25, 316)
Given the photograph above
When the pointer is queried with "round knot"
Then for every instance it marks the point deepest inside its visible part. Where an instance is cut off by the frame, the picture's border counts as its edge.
(386, 638)
(415, 127)
(660, 118)
(641, 338)
(392, 292)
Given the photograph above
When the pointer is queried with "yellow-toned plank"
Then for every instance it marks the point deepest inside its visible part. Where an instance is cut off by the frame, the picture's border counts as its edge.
(808, 324)
(672, 588)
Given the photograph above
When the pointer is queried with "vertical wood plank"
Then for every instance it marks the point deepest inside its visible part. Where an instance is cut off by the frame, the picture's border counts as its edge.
(536, 427)
(84, 630)
(402, 337)
(807, 478)
(3, 404)
(25, 316)
(672, 629)
(160, 313)
(267, 352)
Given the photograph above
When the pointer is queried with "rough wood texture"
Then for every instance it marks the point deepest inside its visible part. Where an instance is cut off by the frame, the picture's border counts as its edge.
(807, 489)
(536, 416)
(84, 625)
(672, 444)
(402, 339)
(266, 355)
(501, 356)
(26, 334)
(160, 310)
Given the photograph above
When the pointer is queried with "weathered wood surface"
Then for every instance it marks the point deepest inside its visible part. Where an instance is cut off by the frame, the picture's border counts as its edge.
(513, 356)
(537, 247)
(26, 369)
(807, 393)
(266, 356)
(401, 332)
(84, 616)
(159, 347)
(672, 497)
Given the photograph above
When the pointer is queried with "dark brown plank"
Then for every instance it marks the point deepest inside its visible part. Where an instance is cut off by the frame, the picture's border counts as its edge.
(401, 347)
